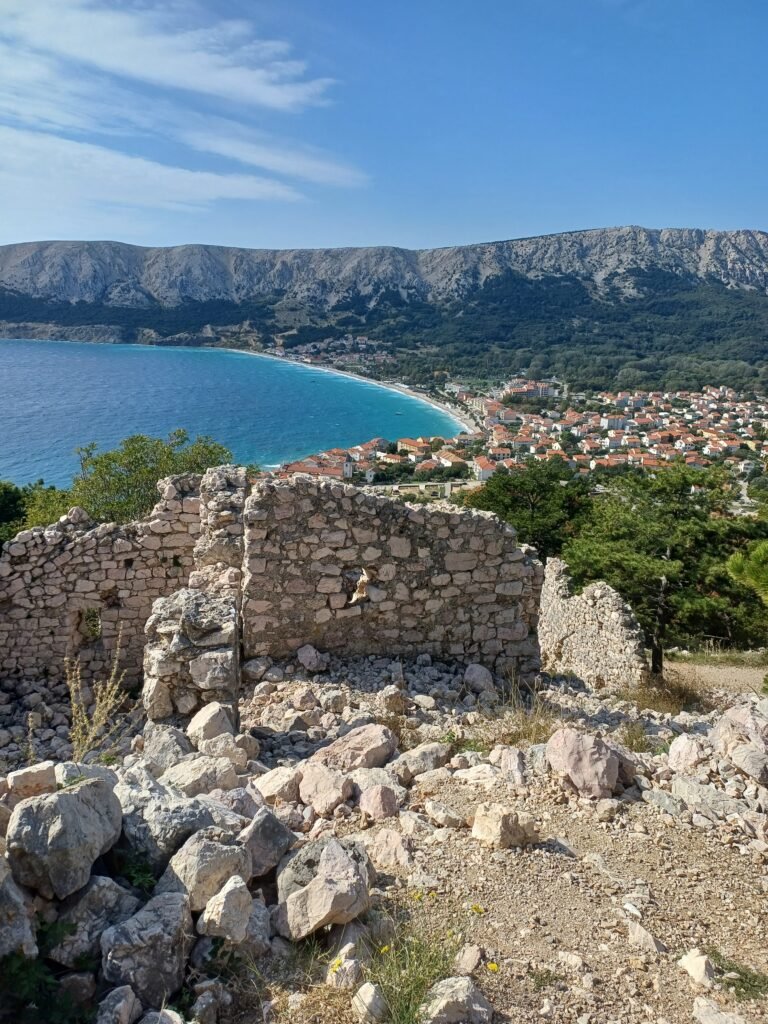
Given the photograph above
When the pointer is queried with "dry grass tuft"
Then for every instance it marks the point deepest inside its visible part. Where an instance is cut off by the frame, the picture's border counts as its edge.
(518, 720)
(94, 722)
(634, 737)
(668, 697)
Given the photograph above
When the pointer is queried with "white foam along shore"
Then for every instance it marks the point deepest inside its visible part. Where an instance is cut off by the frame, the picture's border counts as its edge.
(459, 417)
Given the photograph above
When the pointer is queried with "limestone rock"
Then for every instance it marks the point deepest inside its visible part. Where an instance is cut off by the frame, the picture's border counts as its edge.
(201, 774)
(467, 960)
(312, 659)
(279, 785)
(323, 789)
(588, 763)
(338, 893)
(500, 827)
(16, 917)
(379, 802)
(369, 1005)
(164, 747)
(162, 1017)
(149, 951)
(33, 780)
(299, 867)
(100, 905)
(226, 746)
(267, 840)
(120, 1006)
(211, 720)
(53, 840)
(257, 932)
(390, 849)
(478, 679)
(706, 1011)
(226, 914)
(699, 967)
(157, 820)
(641, 937)
(442, 815)
(203, 864)
(425, 757)
(455, 1001)
(686, 752)
(368, 746)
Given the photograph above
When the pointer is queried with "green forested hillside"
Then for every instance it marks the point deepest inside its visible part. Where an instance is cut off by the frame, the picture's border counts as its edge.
(670, 331)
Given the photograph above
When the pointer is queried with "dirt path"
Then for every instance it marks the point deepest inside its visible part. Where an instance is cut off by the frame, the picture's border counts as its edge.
(714, 676)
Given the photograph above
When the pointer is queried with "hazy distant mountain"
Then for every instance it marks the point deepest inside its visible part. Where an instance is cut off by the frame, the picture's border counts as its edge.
(628, 305)
(113, 273)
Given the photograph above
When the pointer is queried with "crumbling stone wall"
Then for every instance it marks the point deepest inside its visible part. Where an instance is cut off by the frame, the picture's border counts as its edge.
(347, 570)
(66, 590)
(594, 634)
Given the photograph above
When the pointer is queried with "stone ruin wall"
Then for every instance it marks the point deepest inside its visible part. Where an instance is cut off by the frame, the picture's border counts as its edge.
(349, 571)
(66, 590)
(593, 635)
(296, 562)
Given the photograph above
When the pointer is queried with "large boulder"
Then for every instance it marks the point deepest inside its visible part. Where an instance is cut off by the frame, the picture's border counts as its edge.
(16, 917)
(280, 785)
(149, 951)
(742, 736)
(121, 1006)
(337, 894)
(200, 774)
(500, 827)
(53, 840)
(455, 1001)
(203, 864)
(367, 746)
(425, 757)
(585, 761)
(227, 913)
(87, 914)
(164, 746)
(157, 819)
(686, 752)
(267, 840)
(323, 789)
(299, 867)
(210, 721)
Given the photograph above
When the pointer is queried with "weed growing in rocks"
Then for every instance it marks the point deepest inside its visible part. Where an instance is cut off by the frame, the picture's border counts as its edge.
(95, 721)
(407, 967)
(544, 978)
(745, 983)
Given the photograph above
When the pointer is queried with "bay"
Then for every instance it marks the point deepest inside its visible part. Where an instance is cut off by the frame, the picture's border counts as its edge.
(58, 395)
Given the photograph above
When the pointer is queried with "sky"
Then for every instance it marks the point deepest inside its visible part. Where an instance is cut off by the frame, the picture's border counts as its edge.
(418, 123)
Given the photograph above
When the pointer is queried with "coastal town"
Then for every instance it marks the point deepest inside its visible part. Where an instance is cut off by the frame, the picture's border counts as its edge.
(525, 419)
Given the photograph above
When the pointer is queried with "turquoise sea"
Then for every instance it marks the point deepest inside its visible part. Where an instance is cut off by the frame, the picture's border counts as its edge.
(57, 395)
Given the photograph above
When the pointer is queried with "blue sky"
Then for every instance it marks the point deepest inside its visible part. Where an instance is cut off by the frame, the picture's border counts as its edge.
(296, 123)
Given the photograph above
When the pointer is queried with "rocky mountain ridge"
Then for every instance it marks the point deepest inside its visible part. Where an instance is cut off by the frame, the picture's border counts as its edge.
(118, 274)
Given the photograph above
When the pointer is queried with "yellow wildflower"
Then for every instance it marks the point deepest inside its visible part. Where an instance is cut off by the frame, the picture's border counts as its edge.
(492, 967)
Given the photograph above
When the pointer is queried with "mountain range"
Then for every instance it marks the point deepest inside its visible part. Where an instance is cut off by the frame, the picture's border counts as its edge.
(649, 304)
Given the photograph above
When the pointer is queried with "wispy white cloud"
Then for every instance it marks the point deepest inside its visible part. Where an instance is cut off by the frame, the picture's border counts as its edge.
(228, 140)
(68, 166)
(223, 59)
(149, 104)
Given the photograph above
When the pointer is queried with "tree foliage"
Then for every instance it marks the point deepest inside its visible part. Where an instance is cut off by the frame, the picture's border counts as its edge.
(750, 568)
(544, 501)
(121, 485)
(662, 540)
(113, 486)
